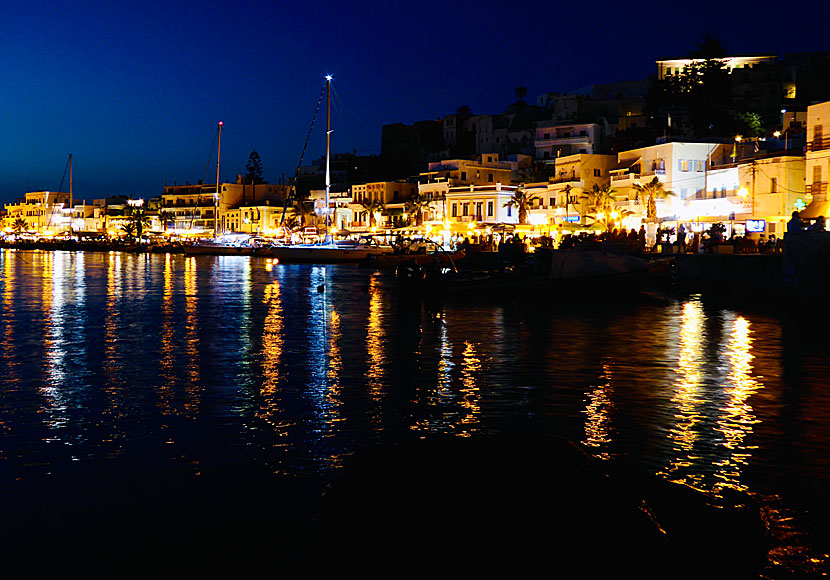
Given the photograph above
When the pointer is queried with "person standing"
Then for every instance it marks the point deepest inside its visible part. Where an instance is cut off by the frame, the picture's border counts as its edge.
(795, 224)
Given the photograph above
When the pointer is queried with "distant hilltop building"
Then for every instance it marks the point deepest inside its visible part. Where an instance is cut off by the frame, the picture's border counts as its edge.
(674, 66)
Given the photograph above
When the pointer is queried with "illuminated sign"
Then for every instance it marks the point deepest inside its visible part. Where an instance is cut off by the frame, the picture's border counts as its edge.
(756, 225)
(574, 219)
(799, 204)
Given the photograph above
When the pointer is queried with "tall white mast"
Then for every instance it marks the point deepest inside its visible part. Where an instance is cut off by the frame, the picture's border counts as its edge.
(216, 195)
(328, 149)
(70, 193)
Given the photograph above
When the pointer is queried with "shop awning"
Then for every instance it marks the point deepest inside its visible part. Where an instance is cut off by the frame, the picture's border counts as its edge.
(815, 209)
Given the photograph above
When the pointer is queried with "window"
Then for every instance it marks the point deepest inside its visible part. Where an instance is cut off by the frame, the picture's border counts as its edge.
(489, 209)
(455, 210)
(509, 210)
(685, 165)
(699, 166)
(553, 202)
(465, 209)
(547, 135)
(479, 207)
(463, 176)
(597, 173)
(773, 185)
(490, 177)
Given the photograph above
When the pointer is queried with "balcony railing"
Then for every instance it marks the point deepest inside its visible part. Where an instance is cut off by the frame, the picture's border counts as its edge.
(625, 176)
(817, 188)
(818, 144)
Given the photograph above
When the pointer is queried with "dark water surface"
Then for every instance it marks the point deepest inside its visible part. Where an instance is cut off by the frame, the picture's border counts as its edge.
(222, 390)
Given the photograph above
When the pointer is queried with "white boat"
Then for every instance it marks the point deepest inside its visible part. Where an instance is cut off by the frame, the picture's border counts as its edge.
(225, 245)
(328, 253)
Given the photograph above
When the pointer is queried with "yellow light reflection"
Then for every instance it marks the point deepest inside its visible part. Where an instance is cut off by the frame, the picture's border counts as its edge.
(598, 414)
(687, 394)
(737, 418)
(375, 333)
(167, 351)
(191, 338)
(272, 347)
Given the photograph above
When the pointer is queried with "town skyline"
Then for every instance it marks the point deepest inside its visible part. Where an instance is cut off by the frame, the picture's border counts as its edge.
(127, 90)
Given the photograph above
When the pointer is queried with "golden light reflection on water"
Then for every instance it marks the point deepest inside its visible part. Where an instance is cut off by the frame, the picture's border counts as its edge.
(457, 405)
(167, 363)
(687, 394)
(375, 338)
(9, 283)
(270, 409)
(113, 371)
(191, 338)
(598, 412)
(736, 419)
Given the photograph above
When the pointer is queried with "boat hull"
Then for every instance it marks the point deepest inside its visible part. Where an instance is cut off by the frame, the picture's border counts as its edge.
(207, 250)
(320, 254)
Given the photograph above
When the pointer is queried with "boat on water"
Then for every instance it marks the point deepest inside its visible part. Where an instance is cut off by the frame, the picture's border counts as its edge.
(224, 245)
(340, 251)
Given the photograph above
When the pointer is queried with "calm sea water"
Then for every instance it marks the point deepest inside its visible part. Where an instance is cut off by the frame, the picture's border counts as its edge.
(125, 374)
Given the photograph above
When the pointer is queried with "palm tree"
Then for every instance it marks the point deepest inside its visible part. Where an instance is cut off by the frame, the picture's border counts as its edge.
(299, 212)
(372, 207)
(652, 191)
(602, 202)
(417, 206)
(139, 219)
(522, 201)
(128, 228)
(165, 217)
(19, 226)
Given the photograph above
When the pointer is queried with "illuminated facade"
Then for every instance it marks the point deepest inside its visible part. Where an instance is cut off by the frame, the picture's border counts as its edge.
(675, 66)
(43, 211)
(818, 160)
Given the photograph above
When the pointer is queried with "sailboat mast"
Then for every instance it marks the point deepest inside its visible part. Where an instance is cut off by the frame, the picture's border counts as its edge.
(216, 195)
(70, 193)
(328, 148)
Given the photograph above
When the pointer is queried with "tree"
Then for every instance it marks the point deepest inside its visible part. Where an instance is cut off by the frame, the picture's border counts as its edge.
(602, 202)
(464, 111)
(139, 220)
(165, 217)
(19, 226)
(651, 192)
(417, 206)
(521, 92)
(253, 170)
(373, 206)
(128, 228)
(522, 201)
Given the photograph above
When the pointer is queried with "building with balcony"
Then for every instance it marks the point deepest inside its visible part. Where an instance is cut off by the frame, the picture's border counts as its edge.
(43, 211)
(482, 205)
(768, 187)
(818, 160)
(485, 169)
(553, 141)
(195, 207)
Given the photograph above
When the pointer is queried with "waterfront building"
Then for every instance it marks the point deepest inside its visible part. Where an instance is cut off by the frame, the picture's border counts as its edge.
(818, 160)
(680, 167)
(565, 198)
(45, 212)
(194, 207)
(389, 197)
(756, 195)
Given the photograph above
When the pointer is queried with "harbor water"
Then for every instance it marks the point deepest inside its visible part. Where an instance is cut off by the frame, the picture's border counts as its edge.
(148, 397)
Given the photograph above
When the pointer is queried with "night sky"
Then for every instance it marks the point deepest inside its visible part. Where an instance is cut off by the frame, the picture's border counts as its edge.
(134, 90)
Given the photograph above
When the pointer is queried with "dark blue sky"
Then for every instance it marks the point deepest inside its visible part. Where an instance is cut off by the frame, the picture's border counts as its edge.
(134, 90)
